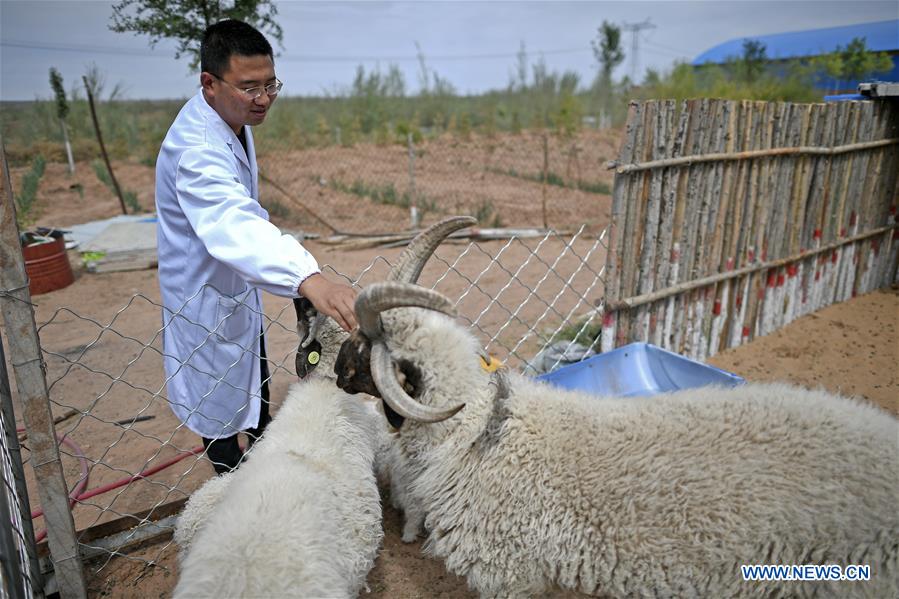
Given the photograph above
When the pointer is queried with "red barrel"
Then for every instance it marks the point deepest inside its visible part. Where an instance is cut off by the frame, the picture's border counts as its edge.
(47, 265)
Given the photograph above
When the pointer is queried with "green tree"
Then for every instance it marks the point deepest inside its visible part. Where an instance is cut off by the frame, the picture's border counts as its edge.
(62, 111)
(859, 62)
(185, 20)
(751, 65)
(608, 53)
(853, 62)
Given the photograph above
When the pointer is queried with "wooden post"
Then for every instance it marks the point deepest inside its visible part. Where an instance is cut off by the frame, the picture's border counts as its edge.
(616, 232)
(635, 229)
(115, 183)
(545, 177)
(65, 137)
(665, 250)
(863, 188)
(737, 248)
(723, 232)
(25, 357)
(414, 217)
(697, 185)
(756, 287)
(650, 222)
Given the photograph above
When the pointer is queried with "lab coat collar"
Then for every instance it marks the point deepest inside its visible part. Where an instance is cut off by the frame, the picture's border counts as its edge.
(228, 133)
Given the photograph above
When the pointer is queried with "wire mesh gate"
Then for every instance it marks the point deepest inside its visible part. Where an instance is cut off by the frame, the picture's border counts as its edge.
(130, 464)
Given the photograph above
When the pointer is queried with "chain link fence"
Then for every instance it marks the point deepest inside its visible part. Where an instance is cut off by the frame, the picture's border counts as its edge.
(17, 572)
(129, 464)
(531, 179)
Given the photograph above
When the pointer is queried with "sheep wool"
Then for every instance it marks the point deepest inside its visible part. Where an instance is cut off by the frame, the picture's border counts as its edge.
(660, 496)
(302, 516)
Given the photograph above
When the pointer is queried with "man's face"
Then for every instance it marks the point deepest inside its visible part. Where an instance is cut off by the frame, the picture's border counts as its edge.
(225, 94)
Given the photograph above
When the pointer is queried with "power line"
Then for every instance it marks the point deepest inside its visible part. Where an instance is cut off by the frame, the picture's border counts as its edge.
(659, 46)
(285, 57)
(74, 48)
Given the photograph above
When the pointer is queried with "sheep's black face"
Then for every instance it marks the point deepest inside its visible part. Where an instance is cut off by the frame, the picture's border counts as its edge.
(353, 370)
(353, 366)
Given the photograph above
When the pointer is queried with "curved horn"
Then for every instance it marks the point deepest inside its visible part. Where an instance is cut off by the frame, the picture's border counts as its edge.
(392, 392)
(378, 297)
(308, 321)
(409, 265)
(314, 328)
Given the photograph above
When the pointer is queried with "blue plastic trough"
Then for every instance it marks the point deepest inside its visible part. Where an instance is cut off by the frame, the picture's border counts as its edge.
(638, 369)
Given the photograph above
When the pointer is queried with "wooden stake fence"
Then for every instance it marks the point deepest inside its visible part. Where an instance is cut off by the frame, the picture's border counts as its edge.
(731, 219)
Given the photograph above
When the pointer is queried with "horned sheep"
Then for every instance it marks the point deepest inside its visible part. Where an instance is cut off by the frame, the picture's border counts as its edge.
(302, 515)
(525, 488)
(321, 444)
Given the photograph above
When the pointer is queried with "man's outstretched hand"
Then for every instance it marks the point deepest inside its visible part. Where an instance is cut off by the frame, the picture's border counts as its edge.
(331, 299)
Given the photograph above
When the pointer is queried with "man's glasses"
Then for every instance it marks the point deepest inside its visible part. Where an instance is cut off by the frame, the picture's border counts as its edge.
(272, 89)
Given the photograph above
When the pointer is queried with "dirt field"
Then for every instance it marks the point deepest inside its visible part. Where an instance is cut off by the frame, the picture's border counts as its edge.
(101, 339)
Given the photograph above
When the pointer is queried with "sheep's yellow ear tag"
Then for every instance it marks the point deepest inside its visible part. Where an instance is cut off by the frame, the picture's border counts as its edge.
(313, 357)
(491, 364)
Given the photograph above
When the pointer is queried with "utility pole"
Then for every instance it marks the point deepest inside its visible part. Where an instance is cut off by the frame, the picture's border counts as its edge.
(635, 29)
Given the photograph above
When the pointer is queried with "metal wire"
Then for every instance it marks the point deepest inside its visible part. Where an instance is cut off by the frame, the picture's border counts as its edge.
(517, 299)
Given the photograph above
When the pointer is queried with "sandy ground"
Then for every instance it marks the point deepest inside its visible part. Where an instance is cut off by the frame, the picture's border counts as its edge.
(101, 341)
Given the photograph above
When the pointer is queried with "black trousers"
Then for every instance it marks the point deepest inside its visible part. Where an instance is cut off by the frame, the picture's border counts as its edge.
(225, 454)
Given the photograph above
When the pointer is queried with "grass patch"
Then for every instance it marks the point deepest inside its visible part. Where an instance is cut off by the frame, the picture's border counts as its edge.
(485, 213)
(585, 331)
(385, 194)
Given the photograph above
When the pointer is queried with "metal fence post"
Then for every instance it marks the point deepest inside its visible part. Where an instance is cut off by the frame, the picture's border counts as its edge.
(10, 442)
(25, 357)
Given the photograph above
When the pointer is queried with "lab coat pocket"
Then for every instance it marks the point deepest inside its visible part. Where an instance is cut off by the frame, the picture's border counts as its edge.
(234, 318)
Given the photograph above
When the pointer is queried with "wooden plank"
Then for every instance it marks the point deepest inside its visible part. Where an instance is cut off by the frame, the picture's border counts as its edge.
(651, 222)
(633, 232)
(620, 191)
(758, 201)
(723, 234)
(742, 218)
(683, 331)
(677, 196)
(755, 267)
(665, 249)
(752, 155)
(129, 522)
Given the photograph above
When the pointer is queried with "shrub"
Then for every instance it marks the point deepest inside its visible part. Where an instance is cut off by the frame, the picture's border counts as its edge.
(26, 198)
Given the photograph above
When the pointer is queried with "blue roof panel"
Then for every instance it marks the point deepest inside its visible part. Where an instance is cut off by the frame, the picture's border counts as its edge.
(880, 36)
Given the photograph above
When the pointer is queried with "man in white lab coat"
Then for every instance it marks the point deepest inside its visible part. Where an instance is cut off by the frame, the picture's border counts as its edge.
(217, 248)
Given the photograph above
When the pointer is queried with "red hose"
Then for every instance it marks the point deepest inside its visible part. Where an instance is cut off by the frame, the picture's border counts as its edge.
(139, 475)
(78, 494)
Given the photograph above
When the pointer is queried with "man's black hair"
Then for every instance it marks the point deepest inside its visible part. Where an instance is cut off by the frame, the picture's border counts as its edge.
(226, 38)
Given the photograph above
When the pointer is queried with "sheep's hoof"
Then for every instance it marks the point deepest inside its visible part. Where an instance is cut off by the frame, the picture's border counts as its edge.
(410, 536)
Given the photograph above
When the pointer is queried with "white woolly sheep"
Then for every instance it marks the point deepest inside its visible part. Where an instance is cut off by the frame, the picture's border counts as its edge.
(530, 488)
(302, 515)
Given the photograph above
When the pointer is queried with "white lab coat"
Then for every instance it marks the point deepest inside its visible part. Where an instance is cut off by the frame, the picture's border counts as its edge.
(216, 249)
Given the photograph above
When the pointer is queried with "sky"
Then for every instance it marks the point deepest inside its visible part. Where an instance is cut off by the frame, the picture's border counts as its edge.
(472, 44)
